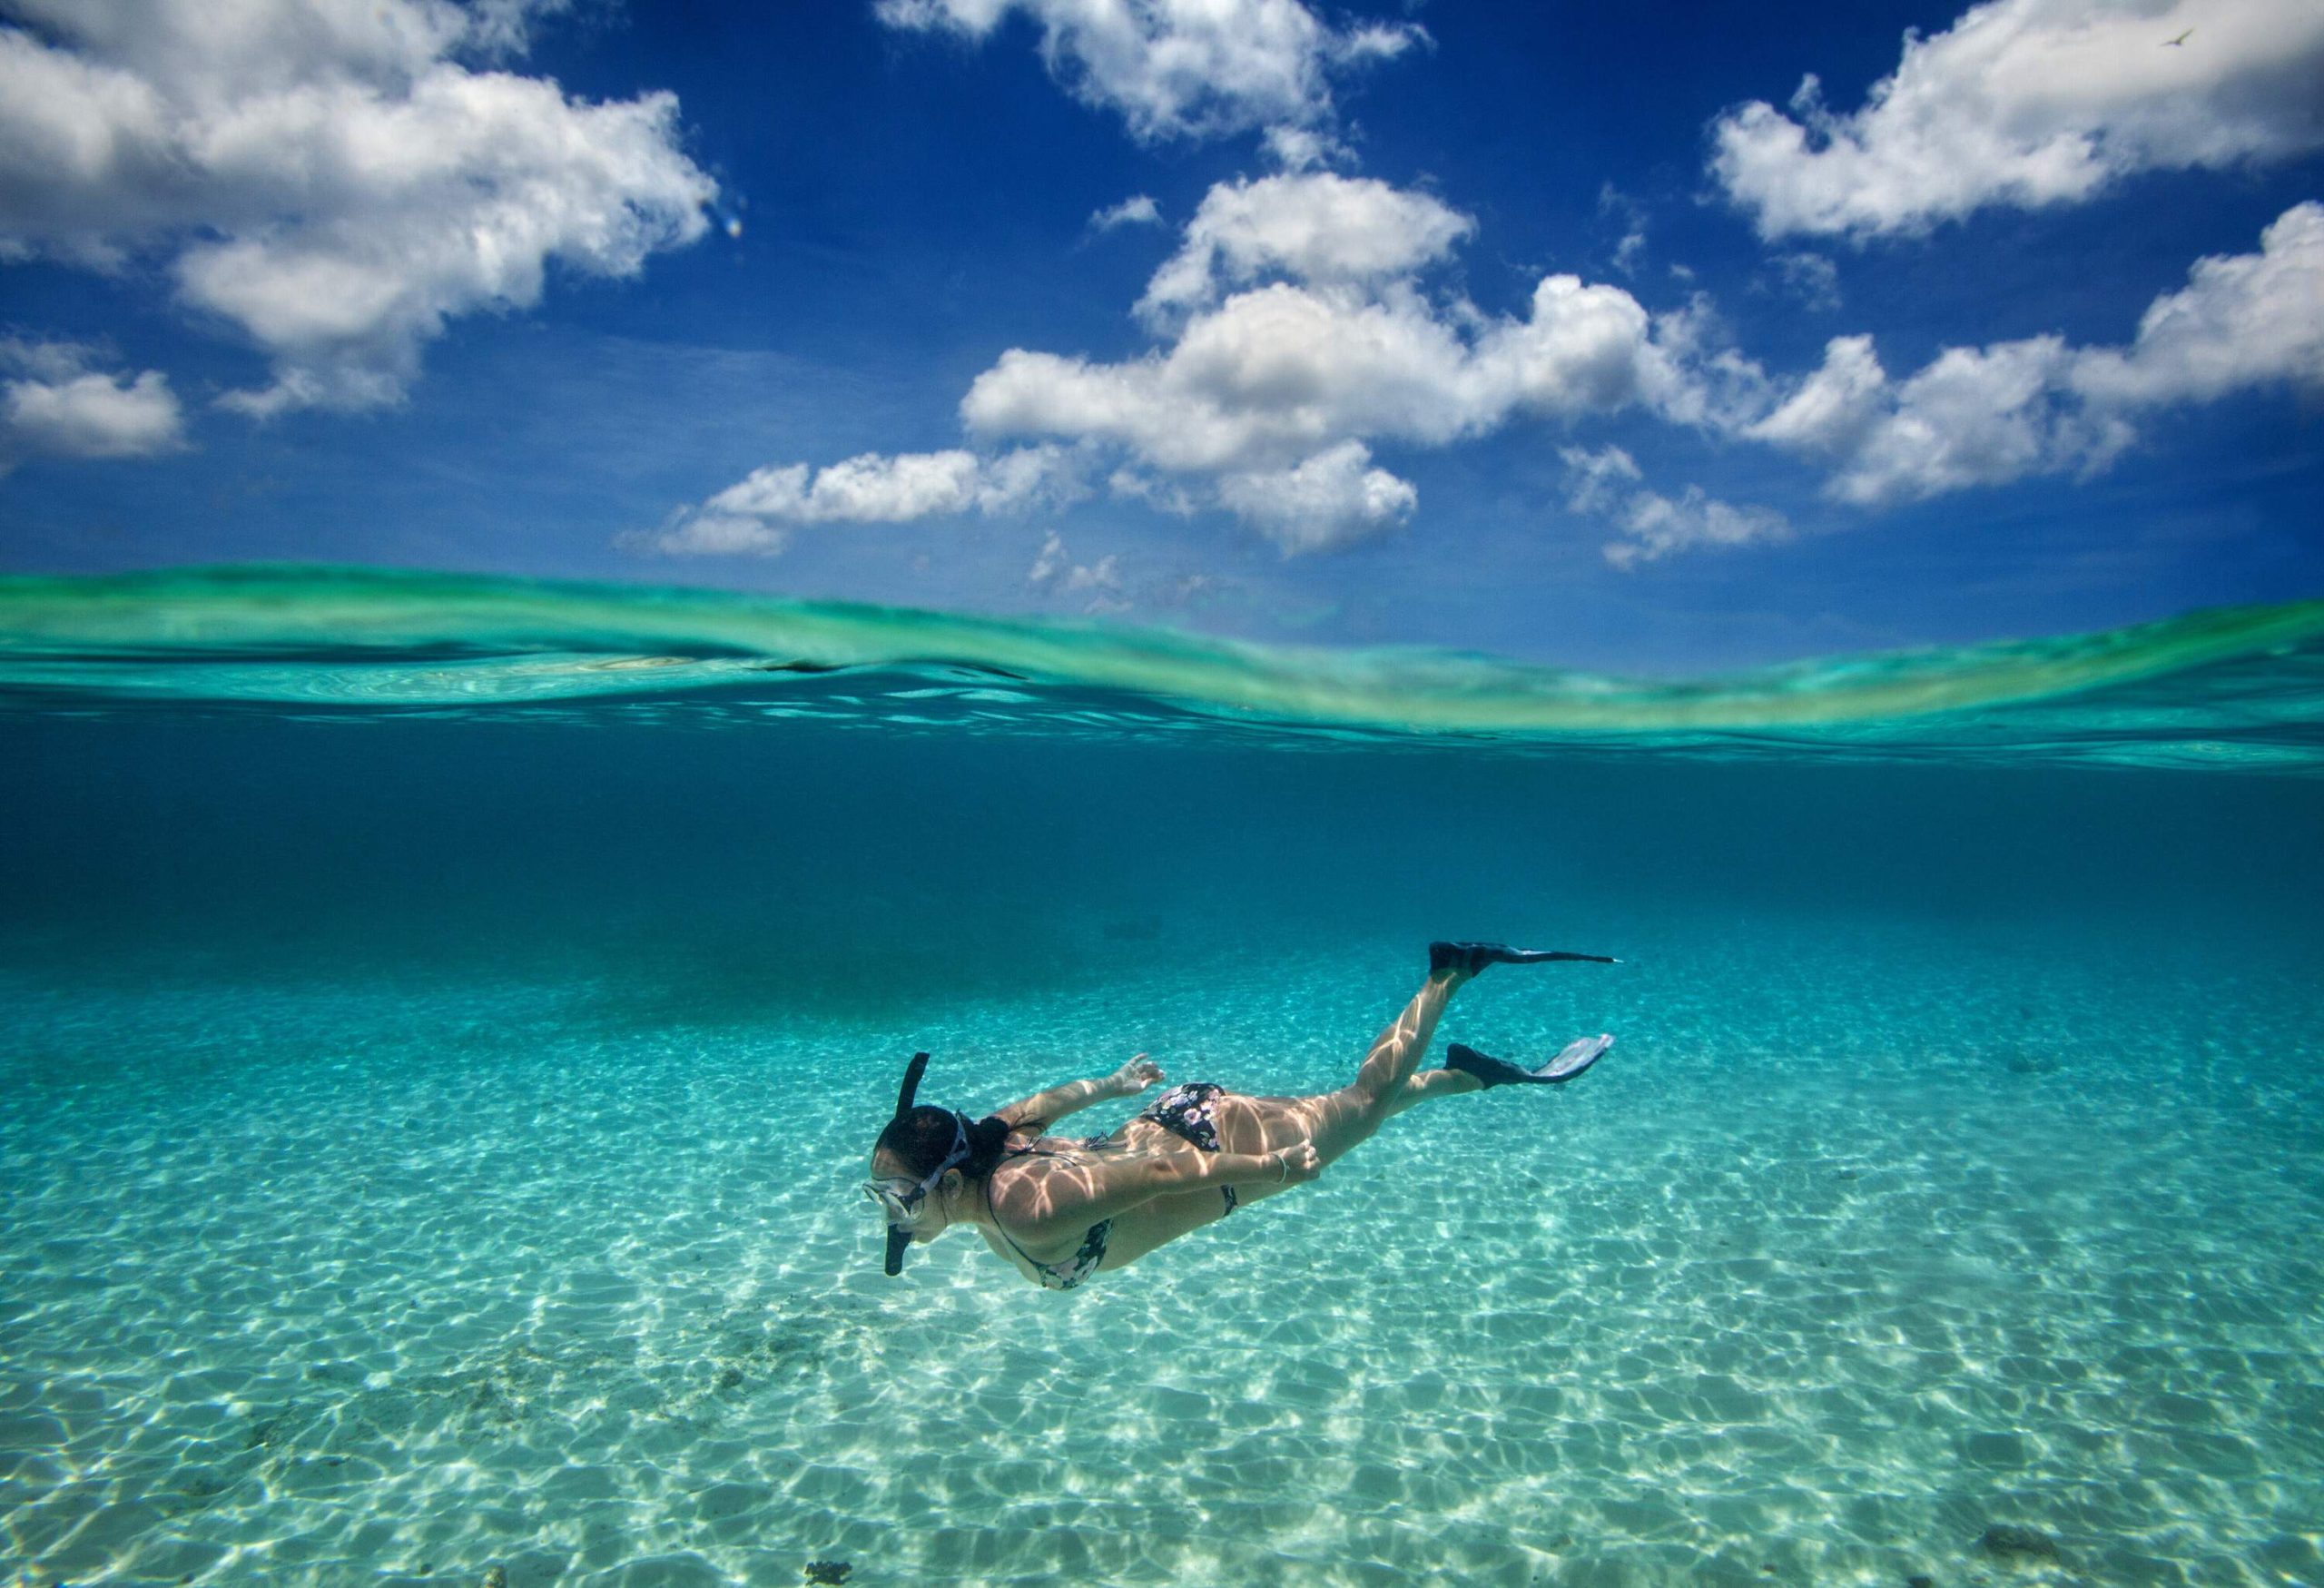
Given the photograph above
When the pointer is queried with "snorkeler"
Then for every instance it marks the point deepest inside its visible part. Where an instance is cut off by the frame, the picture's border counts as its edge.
(1061, 1209)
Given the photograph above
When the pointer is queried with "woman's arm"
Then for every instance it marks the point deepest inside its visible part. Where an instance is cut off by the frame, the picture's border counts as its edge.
(1046, 1108)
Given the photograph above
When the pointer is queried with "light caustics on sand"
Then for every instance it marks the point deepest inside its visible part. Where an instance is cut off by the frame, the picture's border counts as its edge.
(2234, 687)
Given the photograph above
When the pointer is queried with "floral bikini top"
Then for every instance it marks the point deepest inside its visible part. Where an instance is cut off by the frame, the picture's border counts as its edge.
(1054, 1275)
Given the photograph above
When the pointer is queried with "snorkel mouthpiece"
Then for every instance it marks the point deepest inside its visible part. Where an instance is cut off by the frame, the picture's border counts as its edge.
(898, 1238)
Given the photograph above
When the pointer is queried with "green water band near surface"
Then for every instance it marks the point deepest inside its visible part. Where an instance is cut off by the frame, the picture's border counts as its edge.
(2234, 685)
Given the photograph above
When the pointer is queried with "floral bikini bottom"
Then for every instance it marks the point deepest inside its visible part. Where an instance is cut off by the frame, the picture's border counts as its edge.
(1185, 1108)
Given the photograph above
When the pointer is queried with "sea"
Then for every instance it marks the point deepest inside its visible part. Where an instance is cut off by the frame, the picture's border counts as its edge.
(444, 1022)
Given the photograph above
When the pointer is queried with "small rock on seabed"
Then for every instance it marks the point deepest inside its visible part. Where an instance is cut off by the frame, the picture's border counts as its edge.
(2006, 1543)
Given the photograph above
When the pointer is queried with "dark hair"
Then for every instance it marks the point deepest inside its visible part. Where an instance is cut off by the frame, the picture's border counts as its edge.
(922, 1137)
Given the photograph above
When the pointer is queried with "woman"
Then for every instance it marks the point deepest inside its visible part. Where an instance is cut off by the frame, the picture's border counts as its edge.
(1061, 1209)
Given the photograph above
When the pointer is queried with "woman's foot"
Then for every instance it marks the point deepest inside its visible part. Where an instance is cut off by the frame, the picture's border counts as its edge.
(1576, 1057)
(1469, 958)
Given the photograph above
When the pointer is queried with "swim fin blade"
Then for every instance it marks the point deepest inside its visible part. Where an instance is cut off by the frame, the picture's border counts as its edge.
(1474, 957)
(1573, 1059)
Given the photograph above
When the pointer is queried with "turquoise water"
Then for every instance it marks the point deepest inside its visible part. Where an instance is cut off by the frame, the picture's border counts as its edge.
(442, 1021)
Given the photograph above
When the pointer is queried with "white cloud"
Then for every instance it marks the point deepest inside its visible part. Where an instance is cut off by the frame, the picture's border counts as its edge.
(1333, 499)
(1812, 279)
(1608, 484)
(1830, 411)
(1054, 570)
(1179, 68)
(1265, 403)
(1275, 375)
(1978, 415)
(2243, 321)
(1305, 148)
(1616, 205)
(869, 488)
(1971, 417)
(1163, 496)
(58, 407)
(1987, 416)
(322, 175)
(1140, 209)
(1265, 397)
(1596, 481)
(698, 532)
(2031, 103)
(1312, 226)
(757, 513)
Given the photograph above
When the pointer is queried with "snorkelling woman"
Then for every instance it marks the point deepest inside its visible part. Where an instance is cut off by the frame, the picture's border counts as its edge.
(1060, 1209)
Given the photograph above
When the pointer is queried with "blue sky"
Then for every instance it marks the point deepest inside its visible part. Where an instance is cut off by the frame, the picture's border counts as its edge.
(1578, 333)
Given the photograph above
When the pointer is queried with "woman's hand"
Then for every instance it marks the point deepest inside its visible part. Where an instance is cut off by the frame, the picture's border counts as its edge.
(1300, 1164)
(1135, 1076)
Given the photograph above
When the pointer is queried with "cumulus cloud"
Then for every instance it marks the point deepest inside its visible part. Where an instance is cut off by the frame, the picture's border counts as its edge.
(1312, 226)
(758, 512)
(1831, 410)
(54, 405)
(1049, 563)
(1325, 502)
(2242, 320)
(1273, 375)
(2031, 103)
(1990, 415)
(1098, 585)
(1138, 210)
(1971, 417)
(1978, 416)
(1295, 332)
(1297, 337)
(1609, 484)
(1301, 336)
(1305, 148)
(1179, 68)
(324, 174)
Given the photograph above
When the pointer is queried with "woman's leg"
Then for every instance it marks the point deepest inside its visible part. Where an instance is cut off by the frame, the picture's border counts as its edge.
(1336, 1122)
(1395, 1053)
(1245, 1124)
(1434, 1083)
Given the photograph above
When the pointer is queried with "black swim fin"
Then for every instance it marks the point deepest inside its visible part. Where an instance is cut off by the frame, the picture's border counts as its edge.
(1474, 957)
(1576, 1057)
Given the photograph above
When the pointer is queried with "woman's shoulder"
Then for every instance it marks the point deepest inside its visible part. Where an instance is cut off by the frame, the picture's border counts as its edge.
(1024, 1203)
(1038, 1187)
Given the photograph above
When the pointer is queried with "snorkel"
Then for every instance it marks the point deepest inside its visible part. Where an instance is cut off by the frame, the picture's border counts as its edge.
(898, 1240)
(898, 1208)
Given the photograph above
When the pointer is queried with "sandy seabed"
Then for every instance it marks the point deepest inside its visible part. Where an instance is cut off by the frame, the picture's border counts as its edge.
(1854, 1249)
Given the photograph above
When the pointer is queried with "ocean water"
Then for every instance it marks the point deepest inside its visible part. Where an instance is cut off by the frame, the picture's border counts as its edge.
(443, 1020)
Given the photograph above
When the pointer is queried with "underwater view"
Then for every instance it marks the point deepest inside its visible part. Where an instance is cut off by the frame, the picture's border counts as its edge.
(445, 1022)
